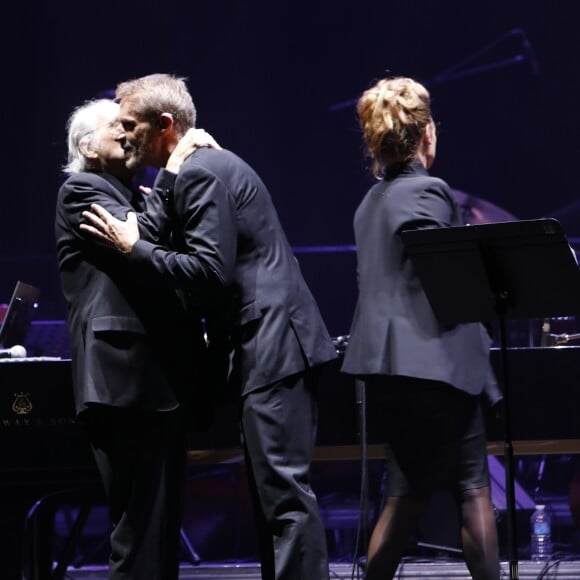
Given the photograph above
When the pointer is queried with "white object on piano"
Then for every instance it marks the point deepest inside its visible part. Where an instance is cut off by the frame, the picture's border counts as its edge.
(16, 351)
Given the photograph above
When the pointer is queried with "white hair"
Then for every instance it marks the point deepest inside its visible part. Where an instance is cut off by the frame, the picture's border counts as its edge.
(81, 126)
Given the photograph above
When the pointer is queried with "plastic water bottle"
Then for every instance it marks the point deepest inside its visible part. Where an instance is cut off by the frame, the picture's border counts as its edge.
(541, 527)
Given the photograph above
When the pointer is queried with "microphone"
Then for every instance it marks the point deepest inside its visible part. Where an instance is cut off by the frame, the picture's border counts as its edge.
(16, 351)
(528, 49)
(531, 56)
(340, 343)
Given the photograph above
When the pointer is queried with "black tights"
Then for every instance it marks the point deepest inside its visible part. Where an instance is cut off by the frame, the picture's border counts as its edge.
(400, 518)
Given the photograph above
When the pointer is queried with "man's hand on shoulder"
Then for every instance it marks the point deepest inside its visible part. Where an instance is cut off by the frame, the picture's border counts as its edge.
(192, 140)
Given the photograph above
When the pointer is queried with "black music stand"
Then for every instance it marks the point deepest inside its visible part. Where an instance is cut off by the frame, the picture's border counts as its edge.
(511, 270)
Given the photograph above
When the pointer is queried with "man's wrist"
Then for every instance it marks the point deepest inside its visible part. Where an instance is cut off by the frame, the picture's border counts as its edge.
(127, 248)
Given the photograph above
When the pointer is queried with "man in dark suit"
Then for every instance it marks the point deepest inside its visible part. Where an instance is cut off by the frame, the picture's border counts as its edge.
(136, 357)
(230, 250)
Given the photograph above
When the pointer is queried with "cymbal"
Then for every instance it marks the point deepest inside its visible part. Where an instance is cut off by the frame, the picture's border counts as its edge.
(476, 210)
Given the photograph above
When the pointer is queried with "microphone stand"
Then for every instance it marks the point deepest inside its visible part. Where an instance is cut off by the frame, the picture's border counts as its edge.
(458, 72)
(340, 344)
(364, 507)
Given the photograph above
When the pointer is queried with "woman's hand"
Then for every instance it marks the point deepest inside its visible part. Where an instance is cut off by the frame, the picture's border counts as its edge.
(193, 139)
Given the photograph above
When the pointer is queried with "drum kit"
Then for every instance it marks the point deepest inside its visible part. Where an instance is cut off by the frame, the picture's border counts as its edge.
(477, 211)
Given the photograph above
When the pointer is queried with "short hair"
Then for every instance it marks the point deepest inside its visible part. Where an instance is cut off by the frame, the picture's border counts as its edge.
(393, 115)
(81, 126)
(159, 93)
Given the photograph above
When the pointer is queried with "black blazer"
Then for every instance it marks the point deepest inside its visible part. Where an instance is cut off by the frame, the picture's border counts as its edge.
(394, 330)
(231, 253)
(132, 345)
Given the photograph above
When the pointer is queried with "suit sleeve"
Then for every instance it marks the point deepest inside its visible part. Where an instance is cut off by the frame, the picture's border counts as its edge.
(155, 222)
(207, 222)
(80, 191)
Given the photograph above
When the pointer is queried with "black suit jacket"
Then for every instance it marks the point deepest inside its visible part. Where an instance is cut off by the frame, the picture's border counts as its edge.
(132, 344)
(394, 330)
(231, 252)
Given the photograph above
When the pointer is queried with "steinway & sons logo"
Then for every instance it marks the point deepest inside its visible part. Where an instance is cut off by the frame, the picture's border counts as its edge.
(22, 404)
(19, 414)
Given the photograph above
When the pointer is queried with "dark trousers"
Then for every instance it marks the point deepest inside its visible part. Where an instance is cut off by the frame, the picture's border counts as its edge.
(141, 458)
(279, 432)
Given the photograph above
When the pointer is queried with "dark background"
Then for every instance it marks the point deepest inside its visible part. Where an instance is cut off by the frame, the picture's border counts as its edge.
(270, 79)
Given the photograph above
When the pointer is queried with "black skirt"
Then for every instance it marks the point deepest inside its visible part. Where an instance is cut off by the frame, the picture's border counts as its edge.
(434, 435)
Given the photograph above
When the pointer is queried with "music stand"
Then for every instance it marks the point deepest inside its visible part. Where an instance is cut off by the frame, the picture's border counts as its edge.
(511, 270)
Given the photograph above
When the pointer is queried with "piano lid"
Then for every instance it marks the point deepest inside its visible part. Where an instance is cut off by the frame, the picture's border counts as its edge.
(18, 316)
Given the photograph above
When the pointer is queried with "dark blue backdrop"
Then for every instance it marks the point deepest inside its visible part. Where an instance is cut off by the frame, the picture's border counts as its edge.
(265, 76)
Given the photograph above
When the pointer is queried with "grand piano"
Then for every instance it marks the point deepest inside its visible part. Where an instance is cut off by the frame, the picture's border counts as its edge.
(43, 452)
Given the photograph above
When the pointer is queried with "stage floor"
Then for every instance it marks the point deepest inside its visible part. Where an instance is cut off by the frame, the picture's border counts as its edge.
(407, 571)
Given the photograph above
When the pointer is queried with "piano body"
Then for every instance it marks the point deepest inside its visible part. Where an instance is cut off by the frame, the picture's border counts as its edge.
(43, 451)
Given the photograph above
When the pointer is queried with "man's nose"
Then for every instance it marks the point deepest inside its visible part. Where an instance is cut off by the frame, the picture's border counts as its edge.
(120, 132)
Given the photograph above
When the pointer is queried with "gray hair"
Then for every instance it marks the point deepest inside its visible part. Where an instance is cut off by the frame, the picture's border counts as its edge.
(159, 93)
(81, 126)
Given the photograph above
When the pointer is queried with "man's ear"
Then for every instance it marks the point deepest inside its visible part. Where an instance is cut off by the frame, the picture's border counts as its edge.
(85, 147)
(165, 122)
